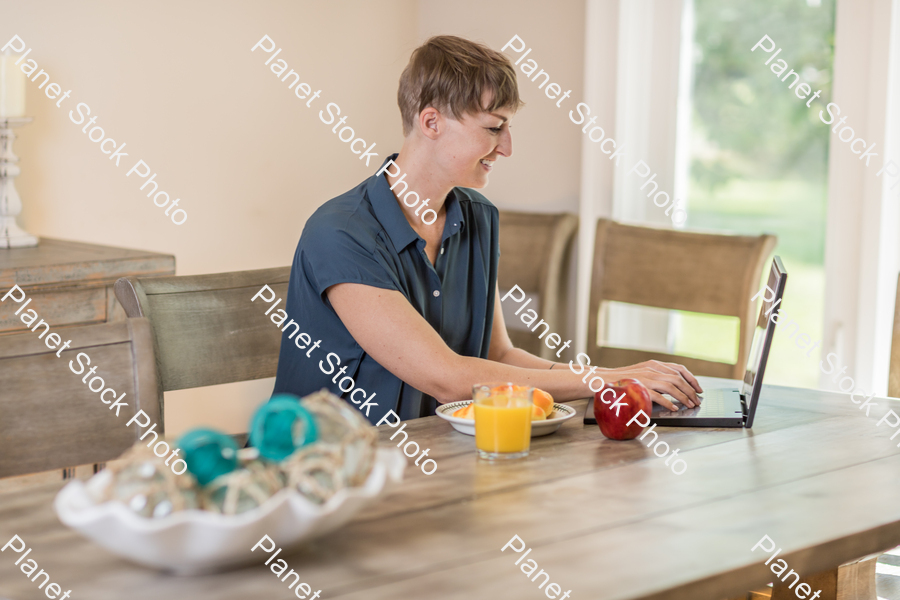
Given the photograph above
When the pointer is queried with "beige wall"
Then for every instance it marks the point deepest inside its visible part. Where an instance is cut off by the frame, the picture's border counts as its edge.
(250, 162)
(177, 82)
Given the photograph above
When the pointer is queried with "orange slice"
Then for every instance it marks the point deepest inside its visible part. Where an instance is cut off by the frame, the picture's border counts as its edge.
(466, 412)
(544, 401)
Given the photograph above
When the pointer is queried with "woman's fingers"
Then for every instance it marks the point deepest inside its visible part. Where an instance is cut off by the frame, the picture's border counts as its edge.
(660, 377)
(660, 381)
(674, 374)
(666, 384)
(685, 388)
(678, 389)
(688, 376)
(662, 400)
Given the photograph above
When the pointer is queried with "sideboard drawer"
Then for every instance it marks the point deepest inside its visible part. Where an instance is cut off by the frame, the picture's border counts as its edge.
(71, 283)
(57, 307)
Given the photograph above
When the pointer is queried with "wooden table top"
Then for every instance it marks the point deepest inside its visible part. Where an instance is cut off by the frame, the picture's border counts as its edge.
(605, 519)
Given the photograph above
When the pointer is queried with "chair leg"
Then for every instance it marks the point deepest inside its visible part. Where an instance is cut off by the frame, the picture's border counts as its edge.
(856, 581)
(851, 581)
(825, 581)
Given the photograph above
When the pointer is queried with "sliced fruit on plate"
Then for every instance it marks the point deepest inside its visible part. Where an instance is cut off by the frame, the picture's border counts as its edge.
(544, 401)
(543, 407)
(466, 412)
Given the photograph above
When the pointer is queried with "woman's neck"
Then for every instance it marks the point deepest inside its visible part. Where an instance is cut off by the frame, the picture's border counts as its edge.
(417, 171)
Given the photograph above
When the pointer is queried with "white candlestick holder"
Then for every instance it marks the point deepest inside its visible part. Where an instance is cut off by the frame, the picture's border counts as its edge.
(11, 235)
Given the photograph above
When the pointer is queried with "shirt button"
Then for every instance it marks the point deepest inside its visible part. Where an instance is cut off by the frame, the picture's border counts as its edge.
(442, 250)
(436, 293)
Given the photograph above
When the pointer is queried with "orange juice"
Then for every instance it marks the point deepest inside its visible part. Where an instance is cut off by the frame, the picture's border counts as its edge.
(503, 428)
(503, 414)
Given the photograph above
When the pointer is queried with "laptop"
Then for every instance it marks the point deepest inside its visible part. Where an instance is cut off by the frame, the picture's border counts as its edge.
(728, 407)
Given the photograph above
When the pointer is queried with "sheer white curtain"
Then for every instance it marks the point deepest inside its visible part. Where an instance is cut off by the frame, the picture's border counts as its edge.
(636, 71)
(862, 256)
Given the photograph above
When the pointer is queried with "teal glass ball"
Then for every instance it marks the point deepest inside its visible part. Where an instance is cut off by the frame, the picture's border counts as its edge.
(208, 454)
(281, 426)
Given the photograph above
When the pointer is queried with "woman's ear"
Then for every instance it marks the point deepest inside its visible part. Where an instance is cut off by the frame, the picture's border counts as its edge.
(431, 122)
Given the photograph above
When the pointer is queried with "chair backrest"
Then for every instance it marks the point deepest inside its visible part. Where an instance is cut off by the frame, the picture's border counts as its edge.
(206, 330)
(664, 268)
(534, 248)
(894, 372)
(50, 418)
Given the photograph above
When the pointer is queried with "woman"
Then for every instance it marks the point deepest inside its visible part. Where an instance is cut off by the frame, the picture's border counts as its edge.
(396, 280)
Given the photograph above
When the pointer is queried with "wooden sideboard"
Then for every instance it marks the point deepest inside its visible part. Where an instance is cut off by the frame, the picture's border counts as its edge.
(71, 283)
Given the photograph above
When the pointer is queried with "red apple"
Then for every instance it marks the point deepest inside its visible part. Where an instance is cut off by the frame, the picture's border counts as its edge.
(617, 404)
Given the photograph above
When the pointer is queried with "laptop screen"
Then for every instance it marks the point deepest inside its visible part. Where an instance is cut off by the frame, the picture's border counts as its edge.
(762, 337)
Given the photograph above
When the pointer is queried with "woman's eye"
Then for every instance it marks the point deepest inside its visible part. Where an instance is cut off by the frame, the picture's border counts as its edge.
(496, 129)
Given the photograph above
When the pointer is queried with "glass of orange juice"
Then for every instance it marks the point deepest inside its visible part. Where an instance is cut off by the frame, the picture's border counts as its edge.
(502, 420)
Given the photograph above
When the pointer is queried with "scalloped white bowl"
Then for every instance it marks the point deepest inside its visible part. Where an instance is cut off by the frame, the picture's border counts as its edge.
(560, 414)
(196, 541)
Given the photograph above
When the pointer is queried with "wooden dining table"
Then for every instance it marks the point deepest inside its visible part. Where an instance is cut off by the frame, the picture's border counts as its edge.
(605, 519)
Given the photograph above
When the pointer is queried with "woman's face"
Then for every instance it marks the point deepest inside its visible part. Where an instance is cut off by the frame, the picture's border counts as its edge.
(473, 143)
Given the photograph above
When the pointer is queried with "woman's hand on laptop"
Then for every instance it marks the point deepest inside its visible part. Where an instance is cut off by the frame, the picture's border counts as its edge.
(661, 378)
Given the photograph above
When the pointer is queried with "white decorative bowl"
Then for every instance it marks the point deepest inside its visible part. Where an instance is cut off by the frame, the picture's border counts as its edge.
(197, 541)
(560, 414)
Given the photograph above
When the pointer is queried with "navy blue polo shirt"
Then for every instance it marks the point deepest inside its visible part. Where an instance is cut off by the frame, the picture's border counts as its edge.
(362, 236)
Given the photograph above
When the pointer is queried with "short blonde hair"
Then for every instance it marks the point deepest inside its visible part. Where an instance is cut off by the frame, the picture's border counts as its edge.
(452, 74)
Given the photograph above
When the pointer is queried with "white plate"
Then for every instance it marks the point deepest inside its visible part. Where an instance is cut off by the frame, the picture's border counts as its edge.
(561, 413)
(196, 541)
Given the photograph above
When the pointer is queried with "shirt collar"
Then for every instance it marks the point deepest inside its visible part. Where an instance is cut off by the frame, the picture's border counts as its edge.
(391, 217)
(454, 223)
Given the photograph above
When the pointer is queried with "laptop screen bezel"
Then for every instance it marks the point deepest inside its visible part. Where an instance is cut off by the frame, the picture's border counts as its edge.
(779, 273)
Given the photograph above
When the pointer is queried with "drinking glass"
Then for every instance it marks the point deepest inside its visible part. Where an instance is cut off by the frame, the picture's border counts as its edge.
(502, 420)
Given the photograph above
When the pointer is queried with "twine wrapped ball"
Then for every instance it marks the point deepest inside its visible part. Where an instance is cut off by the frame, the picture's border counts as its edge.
(142, 482)
(281, 426)
(343, 429)
(242, 490)
(208, 454)
(315, 472)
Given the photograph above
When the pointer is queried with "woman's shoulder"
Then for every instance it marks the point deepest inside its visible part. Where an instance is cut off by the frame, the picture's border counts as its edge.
(340, 209)
(474, 201)
(473, 196)
(346, 216)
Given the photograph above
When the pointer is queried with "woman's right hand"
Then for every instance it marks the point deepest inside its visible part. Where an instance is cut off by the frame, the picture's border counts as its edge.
(660, 377)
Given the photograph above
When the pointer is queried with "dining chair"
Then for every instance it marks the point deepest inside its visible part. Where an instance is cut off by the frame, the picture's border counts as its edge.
(534, 254)
(681, 270)
(51, 419)
(894, 370)
(206, 331)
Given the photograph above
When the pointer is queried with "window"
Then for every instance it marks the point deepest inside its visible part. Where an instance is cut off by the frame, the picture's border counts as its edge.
(759, 156)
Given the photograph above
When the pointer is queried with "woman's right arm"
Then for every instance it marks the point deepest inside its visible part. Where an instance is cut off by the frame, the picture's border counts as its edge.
(389, 329)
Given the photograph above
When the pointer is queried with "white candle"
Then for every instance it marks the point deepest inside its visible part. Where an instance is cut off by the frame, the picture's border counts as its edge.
(12, 87)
